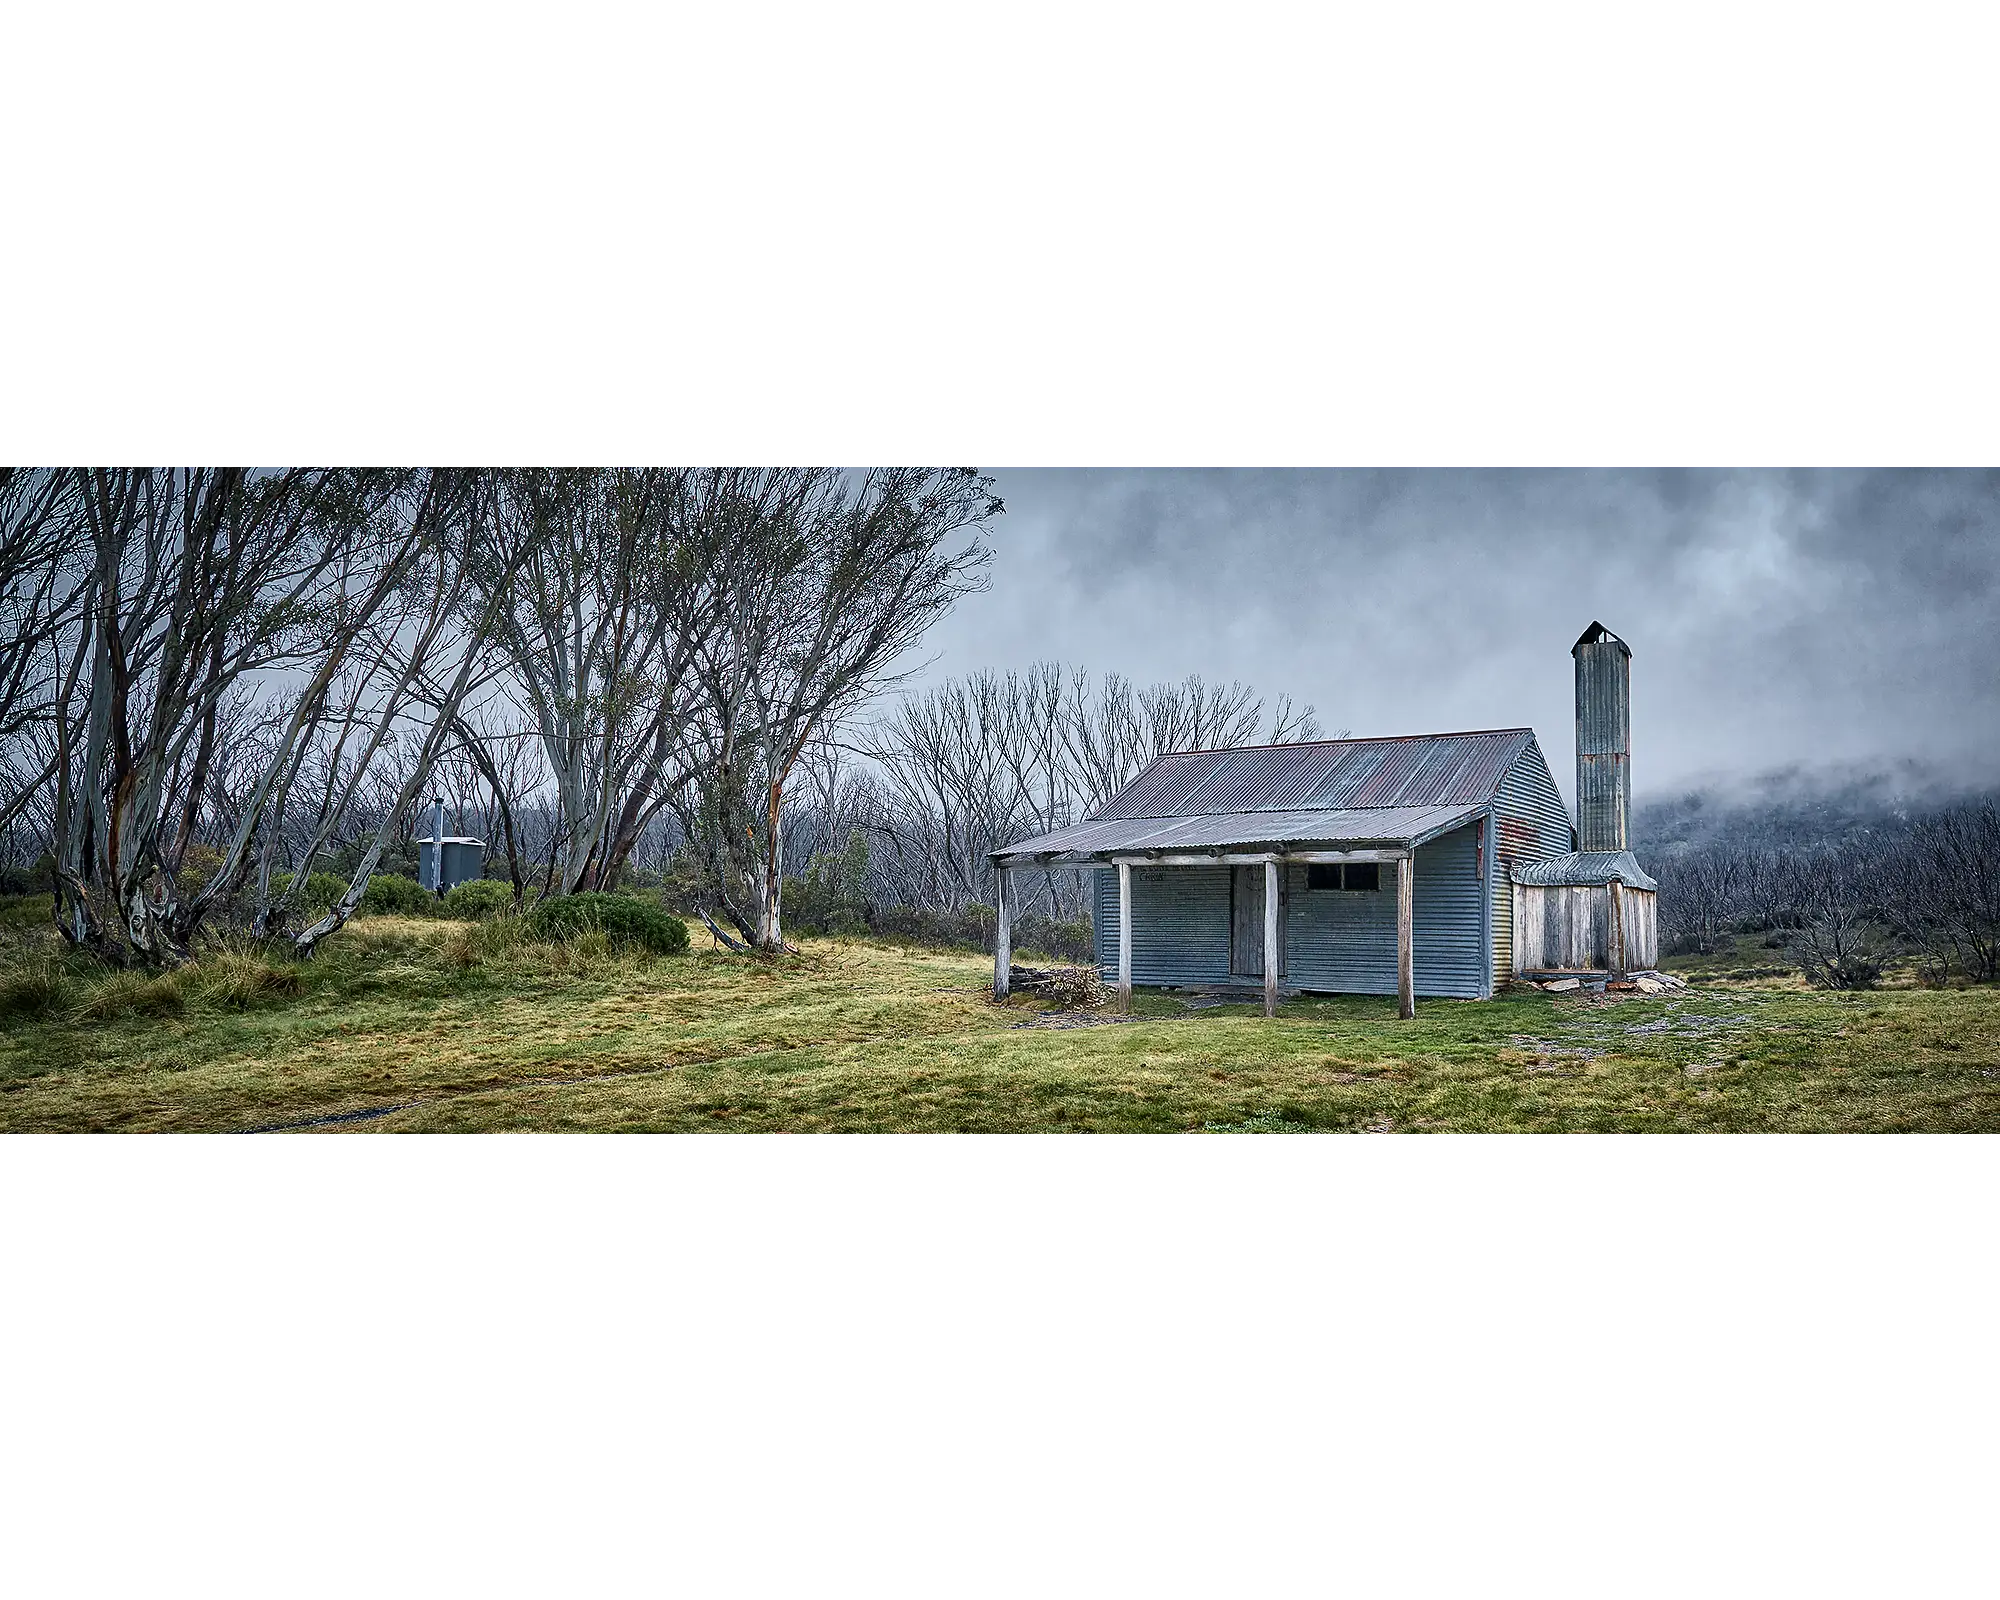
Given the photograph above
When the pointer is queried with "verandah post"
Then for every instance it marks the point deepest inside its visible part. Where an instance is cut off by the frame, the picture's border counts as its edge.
(1124, 936)
(1270, 938)
(1406, 984)
(1003, 950)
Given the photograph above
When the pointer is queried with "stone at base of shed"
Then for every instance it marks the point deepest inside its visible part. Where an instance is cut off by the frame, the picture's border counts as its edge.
(1598, 982)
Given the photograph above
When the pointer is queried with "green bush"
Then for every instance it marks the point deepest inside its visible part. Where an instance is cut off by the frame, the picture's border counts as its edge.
(477, 899)
(832, 897)
(23, 880)
(390, 894)
(316, 895)
(623, 920)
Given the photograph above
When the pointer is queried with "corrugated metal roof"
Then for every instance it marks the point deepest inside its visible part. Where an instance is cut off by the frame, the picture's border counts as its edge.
(1436, 769)
(1582, 867)
(1376, 825)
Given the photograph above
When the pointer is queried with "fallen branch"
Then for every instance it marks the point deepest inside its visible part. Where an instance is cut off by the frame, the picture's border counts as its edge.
(735, 944)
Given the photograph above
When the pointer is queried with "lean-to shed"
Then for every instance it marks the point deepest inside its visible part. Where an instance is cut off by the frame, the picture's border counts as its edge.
(1593, 910)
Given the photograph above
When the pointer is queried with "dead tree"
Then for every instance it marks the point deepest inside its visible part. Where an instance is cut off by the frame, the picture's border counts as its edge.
(825, 579)
(606, 590)
(43, 557)
(203, 583)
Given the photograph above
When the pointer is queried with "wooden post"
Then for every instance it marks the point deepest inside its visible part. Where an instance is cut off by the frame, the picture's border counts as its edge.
(1406, 977)
(1003, 947)
(1270, 938)
(1124, 936)
(1617, 951)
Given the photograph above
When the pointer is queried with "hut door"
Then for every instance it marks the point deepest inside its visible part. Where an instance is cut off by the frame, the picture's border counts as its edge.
(1246, 924)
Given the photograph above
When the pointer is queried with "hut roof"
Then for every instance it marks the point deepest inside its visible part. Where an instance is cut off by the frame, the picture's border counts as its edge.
(1332, 792)
(1431, 769)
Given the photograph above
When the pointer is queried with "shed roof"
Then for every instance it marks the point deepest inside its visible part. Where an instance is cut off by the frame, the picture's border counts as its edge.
(1585, 867)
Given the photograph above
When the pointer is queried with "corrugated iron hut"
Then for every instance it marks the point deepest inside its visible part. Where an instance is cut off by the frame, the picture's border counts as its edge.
(1593, 911)
(1355, 866)
(1350, 866)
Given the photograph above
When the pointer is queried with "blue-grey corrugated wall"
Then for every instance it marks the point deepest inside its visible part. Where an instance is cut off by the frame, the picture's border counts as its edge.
(1180, 926)
(1338, 942)
(1530, 823)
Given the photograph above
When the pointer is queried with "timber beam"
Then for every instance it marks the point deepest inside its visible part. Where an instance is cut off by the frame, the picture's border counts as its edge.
(1195, 858)
(1260, 858)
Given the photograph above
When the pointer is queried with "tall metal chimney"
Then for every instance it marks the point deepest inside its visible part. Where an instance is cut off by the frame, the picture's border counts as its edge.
(1603, 740)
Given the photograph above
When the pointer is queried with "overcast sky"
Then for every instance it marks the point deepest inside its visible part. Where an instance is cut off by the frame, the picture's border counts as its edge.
(1824, 618)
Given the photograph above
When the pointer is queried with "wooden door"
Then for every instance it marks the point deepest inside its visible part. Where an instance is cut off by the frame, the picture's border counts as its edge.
(1246, 924)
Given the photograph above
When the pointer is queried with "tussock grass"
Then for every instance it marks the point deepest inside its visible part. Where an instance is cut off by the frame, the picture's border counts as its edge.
(121, 994)
(36, 987)
(240, 978)
(472, 1027)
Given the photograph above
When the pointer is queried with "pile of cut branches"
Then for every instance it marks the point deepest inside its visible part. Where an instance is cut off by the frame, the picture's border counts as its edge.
(1074, 988)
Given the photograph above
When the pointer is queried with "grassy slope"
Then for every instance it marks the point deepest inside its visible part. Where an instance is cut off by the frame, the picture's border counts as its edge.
(467, 1033)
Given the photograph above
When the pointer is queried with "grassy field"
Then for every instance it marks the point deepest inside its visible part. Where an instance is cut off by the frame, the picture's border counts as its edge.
(424, 1026)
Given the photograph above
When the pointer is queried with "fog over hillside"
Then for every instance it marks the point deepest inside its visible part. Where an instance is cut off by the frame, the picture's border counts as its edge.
(1797, 807)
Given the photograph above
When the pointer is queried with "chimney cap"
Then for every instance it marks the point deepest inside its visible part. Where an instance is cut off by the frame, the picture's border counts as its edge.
(1597, 633)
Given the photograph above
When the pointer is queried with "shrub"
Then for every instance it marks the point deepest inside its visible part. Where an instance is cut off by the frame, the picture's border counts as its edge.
(624, 921)
(1837, 949)
(973, 929)
(832, 896)
(316, 895)
(479, 898)
(24, 913)
(390, 894)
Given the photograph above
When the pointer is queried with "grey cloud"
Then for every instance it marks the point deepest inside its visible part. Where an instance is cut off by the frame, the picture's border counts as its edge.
(1776, 618)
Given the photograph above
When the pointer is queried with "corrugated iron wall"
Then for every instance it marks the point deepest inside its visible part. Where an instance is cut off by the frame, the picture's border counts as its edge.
(1336, 941)
(1530, 823)
(1603, 744)
(1180, 924)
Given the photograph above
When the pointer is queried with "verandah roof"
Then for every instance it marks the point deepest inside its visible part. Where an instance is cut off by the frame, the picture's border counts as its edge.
(1388, 827)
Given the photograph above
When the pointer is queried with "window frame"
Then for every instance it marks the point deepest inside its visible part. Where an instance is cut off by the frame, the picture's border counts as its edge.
(1338, 870)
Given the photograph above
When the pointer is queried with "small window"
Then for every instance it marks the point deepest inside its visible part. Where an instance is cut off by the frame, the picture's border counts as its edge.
(1349, 875)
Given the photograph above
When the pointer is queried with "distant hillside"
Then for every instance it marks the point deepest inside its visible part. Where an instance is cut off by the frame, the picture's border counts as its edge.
(1794, 808)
